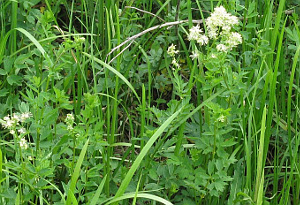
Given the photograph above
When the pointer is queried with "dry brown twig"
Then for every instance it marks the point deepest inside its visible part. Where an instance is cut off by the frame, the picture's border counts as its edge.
(147, 12)
(132, 38)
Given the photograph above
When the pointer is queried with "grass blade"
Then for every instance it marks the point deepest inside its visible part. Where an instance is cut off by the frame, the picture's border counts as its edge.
(33, 40)
(258, 195)
(0, 170)
(115, 72)
(273, 92)
(289, 103)
(140, 195)
(3, 42)
(98, 192)
(36, 43)
(76, 173)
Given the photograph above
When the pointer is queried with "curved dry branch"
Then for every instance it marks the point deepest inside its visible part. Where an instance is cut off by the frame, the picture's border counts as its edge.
(132, 38)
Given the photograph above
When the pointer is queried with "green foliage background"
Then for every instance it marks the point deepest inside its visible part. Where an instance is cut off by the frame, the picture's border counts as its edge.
(219, 130)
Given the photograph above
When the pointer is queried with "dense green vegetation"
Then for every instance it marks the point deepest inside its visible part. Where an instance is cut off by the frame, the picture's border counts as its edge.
(149, 102)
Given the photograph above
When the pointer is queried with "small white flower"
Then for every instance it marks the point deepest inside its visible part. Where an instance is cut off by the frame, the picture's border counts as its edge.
(16, 117)
(6, 118)
(8, 124)
(25, 116)
(174, 62)
(12, 132)
(23, 144)
(202, 40)
(222, 118)
(70, 121)
(212, 33)
(226, 28)
(213, 56)
(234, 39)
(172, 50)
(195, 54)
(70, 118)
(196, 34)
(22, 130)
(222, 48)
(70, 127)
(220, 11)
(195, 31)
(79, 40)
(232, 20)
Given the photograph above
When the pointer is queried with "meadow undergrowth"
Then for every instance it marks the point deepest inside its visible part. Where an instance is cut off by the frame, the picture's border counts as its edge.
(149, 102)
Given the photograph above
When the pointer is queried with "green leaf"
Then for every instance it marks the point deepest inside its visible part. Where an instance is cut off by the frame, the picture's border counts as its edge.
(3, 92)
(50, 115)
(210, 167)
(17, 201)
(3, 72)
(252, 25)
(3, 41)
(237, 183)
(14, 79)
(228, 143)
(251, 8)
(220, 185)
(59, 144)
(219, 164)
(24, 107)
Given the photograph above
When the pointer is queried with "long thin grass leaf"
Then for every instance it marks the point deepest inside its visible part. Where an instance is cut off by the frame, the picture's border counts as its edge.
(115, 72)
(33, 40)
(76, 173)
(260, 162)
(277, 23)
(260, 195)
(140, 195)
(289, 103)
(98, 192)
(3, 42)
(143, 153)
(36, 43)
(273, 93)
(0, 169)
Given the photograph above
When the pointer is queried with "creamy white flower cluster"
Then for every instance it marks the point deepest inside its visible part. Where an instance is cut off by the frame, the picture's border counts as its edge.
(221, 118)
(196, 34)
(10, 122)
(171, 52)
(14, 125)
(220, 19)
(219, 26)
(23, 143)
(70, 121)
